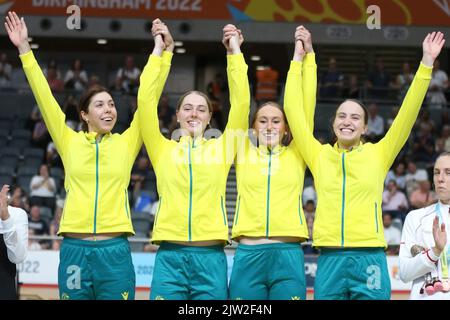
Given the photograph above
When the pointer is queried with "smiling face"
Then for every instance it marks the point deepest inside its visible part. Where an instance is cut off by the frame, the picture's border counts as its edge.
(349, 124)
(194, 114)
(102, 114)
(441, 178)
(270, 126)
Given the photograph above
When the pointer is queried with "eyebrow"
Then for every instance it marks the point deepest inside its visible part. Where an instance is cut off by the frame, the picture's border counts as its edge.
(351, 114)
(191, 105)
(111, 100)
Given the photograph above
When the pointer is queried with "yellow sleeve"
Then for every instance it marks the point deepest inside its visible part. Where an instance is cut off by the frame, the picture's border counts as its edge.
(309, 71)
(133, 133)
(54, 117)
(237, 126)
(303, 136)
(398, 133)
(151, 84)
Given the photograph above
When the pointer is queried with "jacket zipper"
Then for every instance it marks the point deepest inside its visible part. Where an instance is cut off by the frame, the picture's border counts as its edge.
(96, 187)
(343, 199)
(268, 194)
(190, 194)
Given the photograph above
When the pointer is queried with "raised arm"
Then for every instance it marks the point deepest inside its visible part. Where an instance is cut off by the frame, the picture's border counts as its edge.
(413, 266)
(134, 133)
(15, 229)
(294, 107)
(152, 82)
(309, 76)
(54, 118)
(395, 138)
(239, 88)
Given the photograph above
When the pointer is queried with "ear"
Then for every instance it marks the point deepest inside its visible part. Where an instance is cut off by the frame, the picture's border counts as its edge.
(366, 127)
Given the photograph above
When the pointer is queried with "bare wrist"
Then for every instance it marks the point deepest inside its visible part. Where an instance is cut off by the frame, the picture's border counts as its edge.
(157, 51)
(170, 48)
(24, 48)
(437, 252)
(428, 61)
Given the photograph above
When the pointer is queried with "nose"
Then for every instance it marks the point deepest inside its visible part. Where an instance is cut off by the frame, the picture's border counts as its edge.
(346, 121)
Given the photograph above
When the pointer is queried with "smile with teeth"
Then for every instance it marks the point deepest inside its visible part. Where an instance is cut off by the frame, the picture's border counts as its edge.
(193, 123)
(107, 119)
(346, 130)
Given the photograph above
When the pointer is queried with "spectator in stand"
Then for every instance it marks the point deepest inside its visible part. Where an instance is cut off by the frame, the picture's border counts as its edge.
(439, 148)
(403, 80)
(397, 174)
(52, 64)
(76, 77)
(38, 225)
(40, 136)
(394, 199)
(413, 175)
(70, 110)
(332, 81)
(127, 78)
(309, 209)
(55, 83)
(425, 122)
(19, 199)
(379, 81)
(375, 124)
(43, 189)
(445, 117)
(52, 156)
(5, 71)
(309, 193)
(139, 174)
(438, 85)
(394, 112)
(352, 91)
(445, 135)
(423, 196)
(94, 81)
(216, 90)
(392, 234)
(423, 146)
(266, 84)
(35, 116)
(166, 114)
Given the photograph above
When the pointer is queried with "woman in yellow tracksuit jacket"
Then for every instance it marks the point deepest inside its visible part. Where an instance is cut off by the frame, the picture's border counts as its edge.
(349, 179)
(95, 258)
(269, 222)
(191, 222)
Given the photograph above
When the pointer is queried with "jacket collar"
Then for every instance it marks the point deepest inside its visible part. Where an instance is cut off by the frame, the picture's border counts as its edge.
(266, 150)
(92, 136)
(194, 142)
(342, 150)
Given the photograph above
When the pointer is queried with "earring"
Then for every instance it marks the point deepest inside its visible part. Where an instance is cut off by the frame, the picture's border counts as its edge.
(285, 133)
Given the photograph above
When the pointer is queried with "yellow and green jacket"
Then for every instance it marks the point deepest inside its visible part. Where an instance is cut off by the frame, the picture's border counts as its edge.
(97, 174)
(270, 182)
(192, 174)
(349, 184)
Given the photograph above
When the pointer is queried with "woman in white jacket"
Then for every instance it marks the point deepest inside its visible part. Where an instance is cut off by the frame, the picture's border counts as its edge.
(424, 251)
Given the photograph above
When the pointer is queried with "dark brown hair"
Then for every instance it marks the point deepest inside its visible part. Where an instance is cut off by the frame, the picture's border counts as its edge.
(288, 137)
(85, 100)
